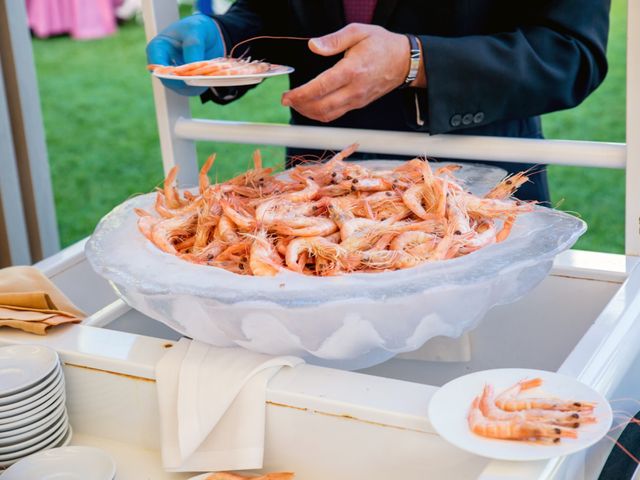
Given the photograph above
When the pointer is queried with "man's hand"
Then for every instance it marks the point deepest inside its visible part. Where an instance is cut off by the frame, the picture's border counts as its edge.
(376, 61)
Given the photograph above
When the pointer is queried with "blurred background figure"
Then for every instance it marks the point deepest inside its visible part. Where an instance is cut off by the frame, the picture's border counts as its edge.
(129, 9)
(81, 19)
(91, 19)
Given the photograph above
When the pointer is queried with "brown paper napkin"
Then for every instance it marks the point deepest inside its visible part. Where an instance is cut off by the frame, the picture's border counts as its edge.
(30, 302)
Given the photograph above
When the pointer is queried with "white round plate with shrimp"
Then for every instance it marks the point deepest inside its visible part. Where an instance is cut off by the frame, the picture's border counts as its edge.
(227, 80)
(450, 405)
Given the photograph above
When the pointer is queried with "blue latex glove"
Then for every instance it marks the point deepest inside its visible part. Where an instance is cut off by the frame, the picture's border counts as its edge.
(191, 39)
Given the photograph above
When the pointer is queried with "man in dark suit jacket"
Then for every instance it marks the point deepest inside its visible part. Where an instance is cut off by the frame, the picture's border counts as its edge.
(486, 67)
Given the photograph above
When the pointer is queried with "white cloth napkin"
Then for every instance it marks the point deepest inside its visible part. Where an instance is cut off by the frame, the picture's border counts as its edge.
(212, 406)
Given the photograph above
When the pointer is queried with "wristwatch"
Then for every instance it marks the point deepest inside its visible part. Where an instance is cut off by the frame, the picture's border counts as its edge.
(415, 61)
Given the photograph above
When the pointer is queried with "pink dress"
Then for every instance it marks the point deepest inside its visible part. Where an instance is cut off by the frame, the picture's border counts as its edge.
(82, 19)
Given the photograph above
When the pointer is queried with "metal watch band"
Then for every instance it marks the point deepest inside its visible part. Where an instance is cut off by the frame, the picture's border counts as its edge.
(415, 60)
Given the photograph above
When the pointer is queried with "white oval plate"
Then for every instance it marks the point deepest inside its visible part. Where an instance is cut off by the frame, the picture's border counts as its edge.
(42, 436)
(69, 463)
(26, 395)
(50, 383)
(449, 407)
(228, 80)
(22, 433)
(42, 411)
(49, 442)
(54, 389)
(22, 366)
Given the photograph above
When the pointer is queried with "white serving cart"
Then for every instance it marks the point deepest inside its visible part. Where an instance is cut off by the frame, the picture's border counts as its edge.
(583, 320)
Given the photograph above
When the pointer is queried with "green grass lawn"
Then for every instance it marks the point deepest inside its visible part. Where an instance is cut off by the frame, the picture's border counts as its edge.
(103, 144)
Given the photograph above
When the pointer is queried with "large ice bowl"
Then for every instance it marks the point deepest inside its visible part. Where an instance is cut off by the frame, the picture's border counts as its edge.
(351, 321)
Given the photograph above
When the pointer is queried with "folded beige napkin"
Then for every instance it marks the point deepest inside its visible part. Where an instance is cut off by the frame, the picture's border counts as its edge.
(30, 302)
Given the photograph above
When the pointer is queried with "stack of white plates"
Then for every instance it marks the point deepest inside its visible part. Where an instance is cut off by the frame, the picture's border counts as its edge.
(33, 415)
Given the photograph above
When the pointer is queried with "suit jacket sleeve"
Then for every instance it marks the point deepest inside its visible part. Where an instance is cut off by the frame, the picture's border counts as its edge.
(551, 63)
(243, 20)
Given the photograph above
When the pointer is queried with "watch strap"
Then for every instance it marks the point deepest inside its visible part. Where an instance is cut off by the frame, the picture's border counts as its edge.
(414, 60)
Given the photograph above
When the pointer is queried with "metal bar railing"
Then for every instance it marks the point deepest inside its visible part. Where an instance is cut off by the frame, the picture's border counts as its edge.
(562, 152)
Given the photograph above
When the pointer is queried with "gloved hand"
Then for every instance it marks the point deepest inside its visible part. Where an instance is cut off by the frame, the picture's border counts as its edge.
(191, 39)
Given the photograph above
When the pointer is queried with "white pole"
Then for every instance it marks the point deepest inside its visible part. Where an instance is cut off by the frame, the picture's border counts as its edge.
(564, 152)
(170, 106)
(11, 212)
(23, 102)
(632, 215)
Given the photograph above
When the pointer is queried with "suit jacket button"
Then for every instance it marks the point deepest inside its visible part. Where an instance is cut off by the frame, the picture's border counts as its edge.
(456, 120)
(478, 117)
(467, 119)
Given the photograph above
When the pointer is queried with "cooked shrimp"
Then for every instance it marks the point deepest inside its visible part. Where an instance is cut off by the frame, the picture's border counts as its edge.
(307, 193)
(492, 208)
(506, 228)
(226, 231)
(407, 241)
(314, 227)
(238, 215)
(145, 222)
(457, 216)
(171, 194)
(427, 197)
(165, 232)
(565, 419)
(388, 259)
(203, 179)
(362, 234)
(264, 260)
(315, 246)
(205, 255)
(510, 401)
(484, 234)
(513, 429)
(508, 186)
(166, 212)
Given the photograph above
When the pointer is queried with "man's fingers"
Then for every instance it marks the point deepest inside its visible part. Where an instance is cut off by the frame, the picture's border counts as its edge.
(330, 107)
(338, 42)
(328, 81)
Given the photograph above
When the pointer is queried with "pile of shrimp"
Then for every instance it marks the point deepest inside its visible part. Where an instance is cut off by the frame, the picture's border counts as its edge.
(510, 416)
(221, 66)
(330, 218)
